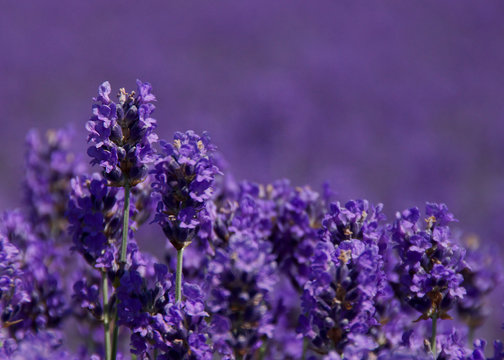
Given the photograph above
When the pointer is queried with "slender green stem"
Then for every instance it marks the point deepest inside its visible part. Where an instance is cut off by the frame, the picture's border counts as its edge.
(106, 320)
(122, 263)
(433, 337)
(178, 282)
(115, 336)
(470, 336)
(305, 348)
(124, 244)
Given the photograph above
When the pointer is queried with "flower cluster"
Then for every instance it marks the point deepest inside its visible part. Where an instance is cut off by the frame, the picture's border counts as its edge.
(38, 300)
(339, 300)
(158, 325)
(95, 220)
(240, 279)
(429, 270)
(276, 271)
(122, 134)
(50, 165)
(184, 175)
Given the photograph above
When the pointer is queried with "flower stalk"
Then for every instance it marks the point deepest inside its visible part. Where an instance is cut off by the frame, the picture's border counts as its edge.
(122, 261)
(106, 320)
(433, 336)
(178, 281)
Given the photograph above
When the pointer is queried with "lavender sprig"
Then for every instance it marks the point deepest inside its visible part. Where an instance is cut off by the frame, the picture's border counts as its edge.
(184, 176)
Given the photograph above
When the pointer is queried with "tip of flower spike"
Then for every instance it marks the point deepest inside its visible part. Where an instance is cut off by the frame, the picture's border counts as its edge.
(103, 93)
(144, 91)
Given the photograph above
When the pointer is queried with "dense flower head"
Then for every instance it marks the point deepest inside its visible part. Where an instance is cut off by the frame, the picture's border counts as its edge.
(173, 330)
(184, 177)
(50, 164)
(338, 301)
(482, 275)
(429, 271)
(95, 219)
(12, 287)
(38, 300)
(122, 134)
(42, 346)
(240, 279)
(357, 219)
(298, 214)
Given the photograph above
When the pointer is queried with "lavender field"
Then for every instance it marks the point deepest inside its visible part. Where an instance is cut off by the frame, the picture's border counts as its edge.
(285, 180)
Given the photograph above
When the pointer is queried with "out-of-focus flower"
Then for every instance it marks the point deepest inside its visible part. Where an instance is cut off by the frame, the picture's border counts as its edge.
(240, 280)
(49, 167)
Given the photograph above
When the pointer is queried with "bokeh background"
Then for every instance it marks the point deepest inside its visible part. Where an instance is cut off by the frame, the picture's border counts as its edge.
(398, 102)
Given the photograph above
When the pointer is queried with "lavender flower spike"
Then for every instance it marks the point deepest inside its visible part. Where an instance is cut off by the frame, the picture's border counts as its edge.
(184, 178)
(122, 134)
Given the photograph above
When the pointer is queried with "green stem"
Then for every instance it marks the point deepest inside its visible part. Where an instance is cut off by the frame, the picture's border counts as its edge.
(106, 320)
(122, 263)
(470, 336)
(305, 348)
(124, 244)
(433, 337)
(178, 282)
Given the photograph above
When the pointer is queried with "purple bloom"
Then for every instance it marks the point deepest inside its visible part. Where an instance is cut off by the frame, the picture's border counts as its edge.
(122, 134)
(184, 183)
(42, 346)
(482, 275)
(428, 274)
(339, 300)
(95, 220)
(356, 220)
(38, 300)
(176, 331)
(240, 279)
(49, 167)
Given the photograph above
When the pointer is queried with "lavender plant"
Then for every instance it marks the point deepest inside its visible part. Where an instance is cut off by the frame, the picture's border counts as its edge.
(184, 175)
(276, 271)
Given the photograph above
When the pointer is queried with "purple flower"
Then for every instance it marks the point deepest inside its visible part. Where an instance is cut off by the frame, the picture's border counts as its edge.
(239, 282)
(38, 300)
(184, 177)
(482, 275)
(175, 331)
(356, 220)
(49, 167)
(42, 346)
(428, 274)
(122, 134)
(339, 300)
(95, 220)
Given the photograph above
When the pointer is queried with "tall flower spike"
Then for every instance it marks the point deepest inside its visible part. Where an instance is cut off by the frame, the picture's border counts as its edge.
(240, 279)
(173, 331)
(49, 167)
(184, 178)
(429, 270)
(339, 301)
(38, 302)
(122, 134)
(95, 220)
(482, 275)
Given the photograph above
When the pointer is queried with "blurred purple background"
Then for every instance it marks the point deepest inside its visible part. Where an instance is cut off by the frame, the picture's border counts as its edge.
(399, 102)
